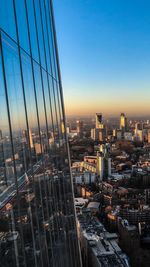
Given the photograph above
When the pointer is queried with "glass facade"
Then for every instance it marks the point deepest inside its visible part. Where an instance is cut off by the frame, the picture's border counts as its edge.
(37, 215)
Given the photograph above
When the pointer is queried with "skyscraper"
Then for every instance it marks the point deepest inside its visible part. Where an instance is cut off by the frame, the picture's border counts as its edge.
(99, 122)
(37, 215)
(123, 122)
(104, 162)
(79, 127)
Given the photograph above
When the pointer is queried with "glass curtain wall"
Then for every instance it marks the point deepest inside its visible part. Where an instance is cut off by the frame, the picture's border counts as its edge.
(37, 216)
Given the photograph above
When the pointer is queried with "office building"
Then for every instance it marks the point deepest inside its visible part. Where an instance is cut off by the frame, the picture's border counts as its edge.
(114, 132)
(99, 121)
(128, 136)
(37, 215)
(123, 122)
(95, 133)
(139, 135)
(103, 163)
(99, 247)
(79, 127)
(99, 132)
(148, 136)
(102, 135)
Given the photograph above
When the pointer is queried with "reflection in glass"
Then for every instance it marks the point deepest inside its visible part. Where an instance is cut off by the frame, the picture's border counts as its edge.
(22, 24)
(16, 102)
(40, 33)
(7, 18)
(33, 132)
(32, 29)
(6, 158)
(37, 217)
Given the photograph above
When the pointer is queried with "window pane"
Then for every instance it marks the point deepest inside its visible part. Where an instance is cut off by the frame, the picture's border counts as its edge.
(6, 158)
(30, 104)
(16, 102)
(22, 24)
(40, 34)
(51, 84)
(47, 101)
(32, 30)
(41, 108)
(50, 37)
(46, 40)
(7, 19)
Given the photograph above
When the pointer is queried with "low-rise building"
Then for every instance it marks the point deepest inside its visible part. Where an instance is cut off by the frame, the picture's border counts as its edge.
(99, 248)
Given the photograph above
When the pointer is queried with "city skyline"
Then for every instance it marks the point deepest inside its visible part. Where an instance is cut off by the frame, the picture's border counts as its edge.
(104, 51)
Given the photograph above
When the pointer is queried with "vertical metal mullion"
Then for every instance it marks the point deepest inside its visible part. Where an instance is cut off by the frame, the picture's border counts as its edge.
(61, 92)
(66, 189)
(27, 124)
(53, 80)
(3, 156)
(49, 88)
(46, 20)
(44, 110)
(11, 138)
(62, 225)
(45, 57)
(32, 70)
(37, 116)
(58, 65)
(60, 185)
(64, 185)
(44, 51)
(55, 53)
(49, 47)
(40, 67)
(45, 61)
(55, 69)
(43, 35)
(52, 72)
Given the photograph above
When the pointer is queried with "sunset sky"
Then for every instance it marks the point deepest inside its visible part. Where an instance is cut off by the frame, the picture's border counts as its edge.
(104, 50)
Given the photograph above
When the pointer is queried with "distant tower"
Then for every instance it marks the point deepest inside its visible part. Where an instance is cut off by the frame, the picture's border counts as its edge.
(31, 139)
(0, 135)
(148, 136)
(28, 136)
(99, 121)
(79, 127)
(62, 127)
(138, 126)
(99, 132)
(123, 122)
(138, 131)
(103, 163)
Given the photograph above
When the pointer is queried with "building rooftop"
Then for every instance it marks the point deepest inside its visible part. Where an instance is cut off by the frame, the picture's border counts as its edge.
(102, 244)
(93, 205)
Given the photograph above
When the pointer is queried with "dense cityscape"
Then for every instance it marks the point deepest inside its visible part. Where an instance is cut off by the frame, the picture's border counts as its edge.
(111, 174)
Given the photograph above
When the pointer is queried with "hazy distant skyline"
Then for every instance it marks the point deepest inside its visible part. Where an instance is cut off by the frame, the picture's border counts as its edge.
(104, 49)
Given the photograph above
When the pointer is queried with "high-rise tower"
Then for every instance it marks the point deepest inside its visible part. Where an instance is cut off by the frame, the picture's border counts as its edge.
(99, 121)
(79, 127)
(37, 215)
(123, 122)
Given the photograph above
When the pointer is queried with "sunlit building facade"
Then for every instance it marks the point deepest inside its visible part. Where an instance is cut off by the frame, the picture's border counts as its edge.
(37, 216)
(123, 122)
(99, 121)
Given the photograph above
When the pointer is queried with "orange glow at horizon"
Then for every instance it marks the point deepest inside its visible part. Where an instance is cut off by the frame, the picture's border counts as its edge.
(110, 108)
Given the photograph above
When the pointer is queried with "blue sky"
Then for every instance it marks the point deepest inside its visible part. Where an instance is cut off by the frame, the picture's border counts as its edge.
(104, 49)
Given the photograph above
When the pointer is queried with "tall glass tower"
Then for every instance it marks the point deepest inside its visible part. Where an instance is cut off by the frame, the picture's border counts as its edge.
(37, 215)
